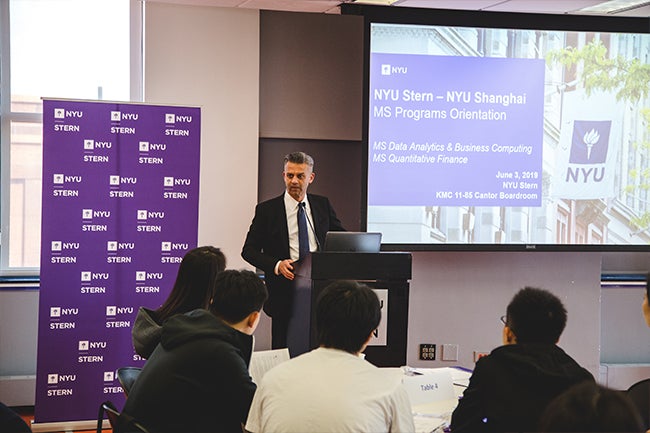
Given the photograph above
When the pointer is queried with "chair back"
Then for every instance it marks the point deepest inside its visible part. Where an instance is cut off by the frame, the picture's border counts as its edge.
(127, 376)
(120, 422)
(639, 393)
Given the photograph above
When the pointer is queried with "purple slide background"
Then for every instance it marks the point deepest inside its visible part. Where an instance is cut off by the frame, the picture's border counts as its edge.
(412, 184)
(74, 377)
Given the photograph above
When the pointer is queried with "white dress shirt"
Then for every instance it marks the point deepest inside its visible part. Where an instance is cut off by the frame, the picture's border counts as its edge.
(291, 206)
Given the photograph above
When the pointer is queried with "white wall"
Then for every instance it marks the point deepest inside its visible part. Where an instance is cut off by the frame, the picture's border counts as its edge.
(209, 57)
(458, 298)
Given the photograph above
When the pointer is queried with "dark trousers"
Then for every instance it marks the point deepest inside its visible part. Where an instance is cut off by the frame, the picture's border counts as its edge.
(279, 326)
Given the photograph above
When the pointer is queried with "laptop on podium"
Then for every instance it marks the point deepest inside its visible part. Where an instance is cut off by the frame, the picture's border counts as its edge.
(352, 242)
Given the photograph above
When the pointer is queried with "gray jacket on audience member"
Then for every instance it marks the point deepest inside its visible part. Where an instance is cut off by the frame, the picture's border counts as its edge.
(146, 332)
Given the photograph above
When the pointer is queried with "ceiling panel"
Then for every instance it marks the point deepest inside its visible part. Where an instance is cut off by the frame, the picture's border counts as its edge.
(331, 6)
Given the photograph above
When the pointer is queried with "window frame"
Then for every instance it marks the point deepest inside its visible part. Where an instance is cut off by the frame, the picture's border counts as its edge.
(7, 117)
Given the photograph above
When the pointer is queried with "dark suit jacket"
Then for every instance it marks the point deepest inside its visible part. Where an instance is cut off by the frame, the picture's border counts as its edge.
(267, 242)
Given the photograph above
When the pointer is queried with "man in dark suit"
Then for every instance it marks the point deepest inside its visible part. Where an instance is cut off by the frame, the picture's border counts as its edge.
(273, 244)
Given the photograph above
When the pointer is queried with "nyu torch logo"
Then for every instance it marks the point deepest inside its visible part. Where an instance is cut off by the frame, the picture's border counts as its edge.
(589, 146)
(590, 142)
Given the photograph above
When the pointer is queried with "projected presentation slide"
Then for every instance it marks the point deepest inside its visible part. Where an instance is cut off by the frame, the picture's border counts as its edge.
(502, 136)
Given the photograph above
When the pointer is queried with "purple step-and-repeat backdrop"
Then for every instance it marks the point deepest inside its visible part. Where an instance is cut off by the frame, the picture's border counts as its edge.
(120, 209)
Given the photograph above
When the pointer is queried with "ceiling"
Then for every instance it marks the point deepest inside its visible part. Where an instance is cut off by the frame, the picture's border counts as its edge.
(332, 6)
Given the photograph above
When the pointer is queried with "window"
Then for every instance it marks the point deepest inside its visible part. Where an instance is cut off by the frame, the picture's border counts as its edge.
(72, 49)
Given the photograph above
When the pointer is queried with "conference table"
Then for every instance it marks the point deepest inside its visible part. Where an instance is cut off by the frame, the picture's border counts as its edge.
(434, 394)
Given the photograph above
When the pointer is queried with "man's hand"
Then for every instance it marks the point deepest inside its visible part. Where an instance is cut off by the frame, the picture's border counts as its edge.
(285, 268)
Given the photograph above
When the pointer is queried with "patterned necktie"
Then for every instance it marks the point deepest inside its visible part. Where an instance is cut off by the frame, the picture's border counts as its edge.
(303, 236)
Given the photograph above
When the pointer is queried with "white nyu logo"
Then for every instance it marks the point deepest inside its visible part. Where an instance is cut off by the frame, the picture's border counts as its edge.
(59, 113)
(144, 146)
(116, 116)
(170, 118)
(385, 69)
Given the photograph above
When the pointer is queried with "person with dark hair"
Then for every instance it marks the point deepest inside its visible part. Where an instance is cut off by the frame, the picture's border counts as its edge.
(511, 386)
(588, 407)
(284, 229)
(332, 388)
(197, 378)
(194, 288)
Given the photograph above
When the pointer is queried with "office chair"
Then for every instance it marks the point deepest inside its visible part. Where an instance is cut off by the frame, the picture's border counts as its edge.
(639, 393)
(120, 422)
(127, 376)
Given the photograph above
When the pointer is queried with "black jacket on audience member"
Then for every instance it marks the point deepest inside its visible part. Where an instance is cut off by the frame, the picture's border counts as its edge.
(511, 387)
(196, 380)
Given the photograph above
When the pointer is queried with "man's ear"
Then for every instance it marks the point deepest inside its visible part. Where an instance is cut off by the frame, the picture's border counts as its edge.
(509, 337)
(253, 319)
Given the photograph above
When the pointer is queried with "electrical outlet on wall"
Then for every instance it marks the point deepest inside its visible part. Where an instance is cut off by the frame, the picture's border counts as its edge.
(450, 352)
(478, 355)
(428, 352)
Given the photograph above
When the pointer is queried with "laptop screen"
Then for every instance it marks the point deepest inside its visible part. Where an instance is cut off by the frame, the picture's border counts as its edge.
(356, 242)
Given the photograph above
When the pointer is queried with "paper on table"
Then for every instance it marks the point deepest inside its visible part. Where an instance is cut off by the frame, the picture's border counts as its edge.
(264, 360)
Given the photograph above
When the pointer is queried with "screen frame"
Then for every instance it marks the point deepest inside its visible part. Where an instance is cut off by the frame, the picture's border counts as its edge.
(483, 19)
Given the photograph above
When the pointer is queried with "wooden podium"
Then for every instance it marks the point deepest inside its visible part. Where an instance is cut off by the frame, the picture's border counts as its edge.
(385, 270)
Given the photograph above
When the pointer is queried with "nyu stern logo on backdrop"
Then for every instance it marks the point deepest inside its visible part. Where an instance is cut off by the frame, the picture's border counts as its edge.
(167, 247)
(94, 148)
(145, 281)
(112, 313)
(87, 346)
(59, 247)
(148, 150)
(109, 378)
(177, 118)
(170, 182)
(144, 215)
(113, 247)
(117, 116)
(62, 113)
(56, 378)
(58, 315)
(171, 124)
(56, 384)
(89, 214)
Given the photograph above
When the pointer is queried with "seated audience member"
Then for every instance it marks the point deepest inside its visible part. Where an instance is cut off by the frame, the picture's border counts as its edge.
(194, 288)
(511, 386)
(11, 422)
(588, 407)
(332, 388)
(197, 379)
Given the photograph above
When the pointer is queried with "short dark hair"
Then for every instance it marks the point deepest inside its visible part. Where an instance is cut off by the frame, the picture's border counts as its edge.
(536, 316)
(589, 407)
(194, 285)
(298, 158)
(237, 294)
(346, 313)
